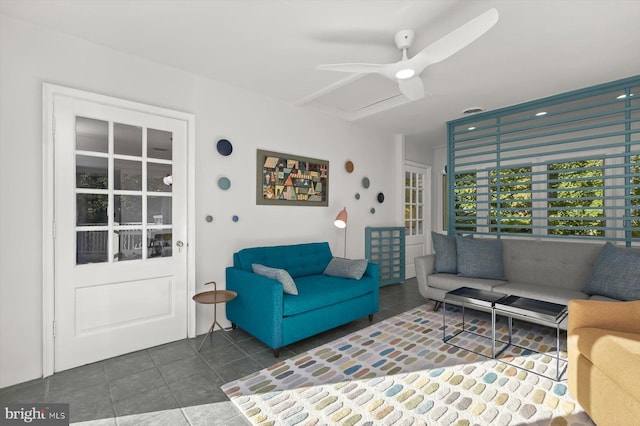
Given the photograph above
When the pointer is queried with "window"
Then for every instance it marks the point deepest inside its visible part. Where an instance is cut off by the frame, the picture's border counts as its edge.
(510, 194)
(572, 172)
(576, 198)
(466, 205)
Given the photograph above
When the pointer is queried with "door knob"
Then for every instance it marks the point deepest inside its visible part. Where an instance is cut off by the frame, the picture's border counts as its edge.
(180, 244)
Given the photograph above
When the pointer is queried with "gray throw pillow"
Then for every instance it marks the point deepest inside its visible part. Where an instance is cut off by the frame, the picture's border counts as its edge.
(480, 258)
(288, 285)
(346, 268)
(615, 274)
(445, 248)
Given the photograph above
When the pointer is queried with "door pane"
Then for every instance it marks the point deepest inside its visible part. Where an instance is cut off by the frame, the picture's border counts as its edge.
(127, 244)
(127, 140)
(155, 177)
(91, 247)
(92, 172)
(159, 144)
(159, 210)
(127, 175)
(127, 209)
(160, 243)
(91, 209)
(92, 135)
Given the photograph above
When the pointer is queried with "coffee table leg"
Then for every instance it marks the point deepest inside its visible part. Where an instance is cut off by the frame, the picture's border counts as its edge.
(493, 333)
(510, 328)
(444, 322)
(462, 317)
(557, 352)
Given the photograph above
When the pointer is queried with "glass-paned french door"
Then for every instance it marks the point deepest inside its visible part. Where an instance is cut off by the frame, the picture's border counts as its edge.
(414, 203)
(123, 191)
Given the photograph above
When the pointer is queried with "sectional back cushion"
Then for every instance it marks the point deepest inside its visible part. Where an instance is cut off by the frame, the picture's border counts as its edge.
(615, 274)
(299, 260)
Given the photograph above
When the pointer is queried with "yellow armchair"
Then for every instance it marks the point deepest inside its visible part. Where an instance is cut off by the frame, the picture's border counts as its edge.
(603, 344)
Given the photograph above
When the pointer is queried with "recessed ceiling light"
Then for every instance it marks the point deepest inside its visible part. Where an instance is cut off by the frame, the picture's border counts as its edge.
(541, 113)
(405, 73)
(471, 128)
(473, 110)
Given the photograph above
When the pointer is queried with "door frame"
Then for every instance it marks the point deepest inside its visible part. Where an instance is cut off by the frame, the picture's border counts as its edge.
(49, 93)
(426, 201)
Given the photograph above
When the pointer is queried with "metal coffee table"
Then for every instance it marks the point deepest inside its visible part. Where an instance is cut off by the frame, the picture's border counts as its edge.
(482, 300)
(522, 308)
(538, 312)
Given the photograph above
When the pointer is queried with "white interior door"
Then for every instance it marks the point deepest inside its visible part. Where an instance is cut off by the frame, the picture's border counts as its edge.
(417, 184)
(120, 231)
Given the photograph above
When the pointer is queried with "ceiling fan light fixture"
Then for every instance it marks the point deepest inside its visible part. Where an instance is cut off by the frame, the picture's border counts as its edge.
(405, 73)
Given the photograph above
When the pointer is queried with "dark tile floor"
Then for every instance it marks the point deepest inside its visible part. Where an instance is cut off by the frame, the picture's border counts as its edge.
(174, 384)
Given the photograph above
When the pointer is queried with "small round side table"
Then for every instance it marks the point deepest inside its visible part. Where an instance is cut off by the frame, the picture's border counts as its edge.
(213, 297)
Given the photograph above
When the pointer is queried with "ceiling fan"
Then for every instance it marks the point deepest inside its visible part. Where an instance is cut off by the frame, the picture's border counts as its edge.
(407, 71)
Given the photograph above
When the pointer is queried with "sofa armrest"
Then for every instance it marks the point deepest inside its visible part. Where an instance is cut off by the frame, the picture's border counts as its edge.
(373, 271)
(424, 267)
(259, 306)
(620, 316)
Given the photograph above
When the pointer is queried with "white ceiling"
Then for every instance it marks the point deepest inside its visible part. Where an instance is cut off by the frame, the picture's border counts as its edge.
(538, 48)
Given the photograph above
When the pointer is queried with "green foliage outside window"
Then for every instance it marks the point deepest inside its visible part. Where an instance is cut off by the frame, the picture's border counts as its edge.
(513, 204)
(576, 191)
(465, 202)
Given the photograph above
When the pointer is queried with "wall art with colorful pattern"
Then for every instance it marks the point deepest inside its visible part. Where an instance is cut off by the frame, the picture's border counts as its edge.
(284, 179)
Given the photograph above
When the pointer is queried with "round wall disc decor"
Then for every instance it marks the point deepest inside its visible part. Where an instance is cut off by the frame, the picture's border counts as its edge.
(365, 182)
(348, 166)
(235, 218)
(357, 196)
(224, 183)
(373, 211)
(380, 197)
(224, 147)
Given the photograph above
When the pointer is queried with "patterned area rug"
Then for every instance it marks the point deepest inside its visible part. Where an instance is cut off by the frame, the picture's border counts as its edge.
(399, 372)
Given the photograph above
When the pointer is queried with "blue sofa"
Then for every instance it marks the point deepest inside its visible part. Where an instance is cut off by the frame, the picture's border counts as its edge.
(323, 302)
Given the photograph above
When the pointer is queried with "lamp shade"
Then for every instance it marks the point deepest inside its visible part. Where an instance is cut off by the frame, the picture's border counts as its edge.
(341, 219)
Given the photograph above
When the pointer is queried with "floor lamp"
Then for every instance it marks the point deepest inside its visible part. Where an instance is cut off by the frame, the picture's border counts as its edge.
(341, 222)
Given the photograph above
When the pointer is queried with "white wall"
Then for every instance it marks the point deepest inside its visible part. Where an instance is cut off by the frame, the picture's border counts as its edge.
(31, 55)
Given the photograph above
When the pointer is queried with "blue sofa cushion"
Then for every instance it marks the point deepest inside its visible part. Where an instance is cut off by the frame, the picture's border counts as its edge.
(288, 285)
(615, 274)
(299, 260)
(346, 268)
(445, 248)
(318, 291)
(480, 258)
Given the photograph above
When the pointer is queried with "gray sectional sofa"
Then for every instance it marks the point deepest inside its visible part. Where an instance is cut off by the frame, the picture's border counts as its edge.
(552, 271)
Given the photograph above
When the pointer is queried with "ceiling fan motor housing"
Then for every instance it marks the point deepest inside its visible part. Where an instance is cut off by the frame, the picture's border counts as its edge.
(404, 38)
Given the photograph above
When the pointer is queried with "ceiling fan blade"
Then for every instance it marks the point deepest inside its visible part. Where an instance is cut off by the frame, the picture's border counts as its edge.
(412, 88)
(455, 40)
(359, 68)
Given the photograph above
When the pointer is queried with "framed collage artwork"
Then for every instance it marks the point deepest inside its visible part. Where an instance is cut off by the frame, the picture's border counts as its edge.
(285, 179)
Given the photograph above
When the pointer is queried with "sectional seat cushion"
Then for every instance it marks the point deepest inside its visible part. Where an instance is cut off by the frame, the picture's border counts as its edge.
(318, 291)
(288, 285)
(480, 258)
(616, 274)
(450, 282)
(542, 292)
(346, 268)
